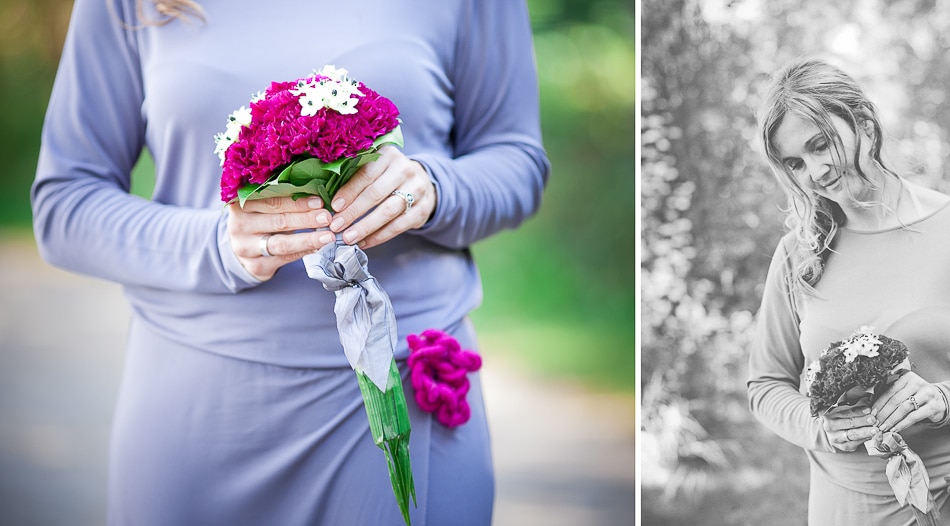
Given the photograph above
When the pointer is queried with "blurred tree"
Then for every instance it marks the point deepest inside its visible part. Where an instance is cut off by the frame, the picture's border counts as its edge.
(566, 278)
(708, 219)
(587, 72)
(31, 37)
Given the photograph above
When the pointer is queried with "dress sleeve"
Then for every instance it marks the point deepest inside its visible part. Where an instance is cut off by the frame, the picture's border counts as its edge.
(499, 168)
(85, 220)
(776, 364)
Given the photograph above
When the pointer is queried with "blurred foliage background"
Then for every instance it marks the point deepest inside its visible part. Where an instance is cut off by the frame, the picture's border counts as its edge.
(559, 292)
(712, 215)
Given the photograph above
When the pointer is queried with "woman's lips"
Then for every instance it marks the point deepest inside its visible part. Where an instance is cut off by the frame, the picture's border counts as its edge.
(832, 183)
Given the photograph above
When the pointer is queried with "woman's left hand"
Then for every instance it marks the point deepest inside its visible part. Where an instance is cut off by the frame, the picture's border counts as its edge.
(909, 400)
(395, 194)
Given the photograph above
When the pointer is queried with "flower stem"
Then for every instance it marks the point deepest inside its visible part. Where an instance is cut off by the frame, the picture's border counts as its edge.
(389, 423)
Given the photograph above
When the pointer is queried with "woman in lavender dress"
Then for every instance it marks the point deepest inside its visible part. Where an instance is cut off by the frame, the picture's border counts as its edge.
(237, 404)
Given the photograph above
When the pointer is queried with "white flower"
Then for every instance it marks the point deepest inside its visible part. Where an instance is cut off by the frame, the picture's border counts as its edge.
(336, 92)
(335, 73)
(850, 353)
(862, 344)
(240, 118)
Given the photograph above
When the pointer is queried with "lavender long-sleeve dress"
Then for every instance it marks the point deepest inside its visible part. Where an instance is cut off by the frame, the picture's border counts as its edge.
(237, 405)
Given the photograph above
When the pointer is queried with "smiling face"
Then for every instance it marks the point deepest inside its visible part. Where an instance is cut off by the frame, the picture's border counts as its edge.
(816, 163)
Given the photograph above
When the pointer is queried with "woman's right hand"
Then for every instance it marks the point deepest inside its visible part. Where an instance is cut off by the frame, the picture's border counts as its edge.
(270, 225)
(848, 429)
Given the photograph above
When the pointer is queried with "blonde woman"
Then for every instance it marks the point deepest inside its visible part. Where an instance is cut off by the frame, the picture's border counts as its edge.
(865, 248)
(237, 404)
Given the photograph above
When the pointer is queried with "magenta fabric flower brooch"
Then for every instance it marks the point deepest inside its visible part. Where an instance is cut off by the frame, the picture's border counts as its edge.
(439, 371)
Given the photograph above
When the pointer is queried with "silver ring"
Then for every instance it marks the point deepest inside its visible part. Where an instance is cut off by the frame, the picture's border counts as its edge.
(263, 244)
(407, 197)
(914, 401)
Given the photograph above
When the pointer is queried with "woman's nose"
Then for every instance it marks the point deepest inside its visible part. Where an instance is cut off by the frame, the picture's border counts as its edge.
(817, 168)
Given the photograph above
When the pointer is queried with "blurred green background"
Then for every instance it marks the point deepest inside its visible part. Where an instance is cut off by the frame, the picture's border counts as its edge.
(712, 216)
(559, 292)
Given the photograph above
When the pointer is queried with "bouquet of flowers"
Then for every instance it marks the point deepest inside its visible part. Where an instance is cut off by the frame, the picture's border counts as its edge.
(852, 373)
(308, 137)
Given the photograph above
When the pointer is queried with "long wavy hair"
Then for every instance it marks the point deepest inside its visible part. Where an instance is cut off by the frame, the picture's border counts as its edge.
(169, 10)
(815, 91)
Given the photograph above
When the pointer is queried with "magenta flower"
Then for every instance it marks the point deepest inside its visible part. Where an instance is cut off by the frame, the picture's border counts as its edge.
(284, 128)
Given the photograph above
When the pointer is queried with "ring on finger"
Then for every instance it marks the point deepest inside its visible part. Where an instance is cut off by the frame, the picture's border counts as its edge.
(914, 401)
(847, 435)
(407, 197)
(263, 245)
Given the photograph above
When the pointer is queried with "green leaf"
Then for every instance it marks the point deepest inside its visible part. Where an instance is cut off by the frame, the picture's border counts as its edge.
(335, 166)
(308, 169)
(325, 195)
(334, 184)
(350, 166)
(284, 175)
(394, 137)
(276, 189)
(247, 191)
(367, 158)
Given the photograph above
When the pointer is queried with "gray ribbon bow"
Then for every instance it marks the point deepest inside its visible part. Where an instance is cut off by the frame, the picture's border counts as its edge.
(364, 313)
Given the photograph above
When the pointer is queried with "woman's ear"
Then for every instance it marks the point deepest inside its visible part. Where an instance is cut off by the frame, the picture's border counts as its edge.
(868, 128)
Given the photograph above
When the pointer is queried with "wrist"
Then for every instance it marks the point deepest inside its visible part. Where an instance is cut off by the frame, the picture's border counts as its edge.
(943, 418)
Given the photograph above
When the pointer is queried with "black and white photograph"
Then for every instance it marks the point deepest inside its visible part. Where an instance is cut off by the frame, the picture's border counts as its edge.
(794, 314)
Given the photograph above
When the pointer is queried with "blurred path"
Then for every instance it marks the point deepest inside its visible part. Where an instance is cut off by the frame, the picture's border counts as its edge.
(563, 457)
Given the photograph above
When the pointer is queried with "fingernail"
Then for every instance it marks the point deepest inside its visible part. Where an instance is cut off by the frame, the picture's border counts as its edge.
(323, 219)
(315, 202)
(866, 410)
(337, 224)
(326, 239)
(338, 204)
(349, 236)
(872, 420)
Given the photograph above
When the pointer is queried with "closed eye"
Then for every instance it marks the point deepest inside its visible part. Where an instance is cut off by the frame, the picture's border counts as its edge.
(817, 145)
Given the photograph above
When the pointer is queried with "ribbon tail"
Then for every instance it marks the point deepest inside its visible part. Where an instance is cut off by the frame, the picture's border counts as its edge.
(911, 484)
